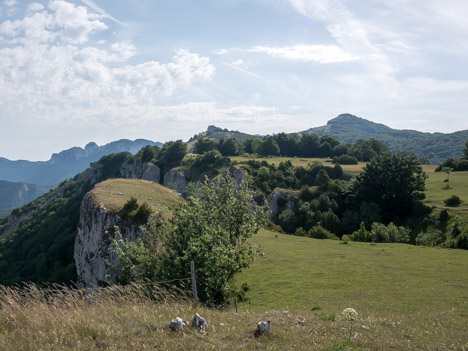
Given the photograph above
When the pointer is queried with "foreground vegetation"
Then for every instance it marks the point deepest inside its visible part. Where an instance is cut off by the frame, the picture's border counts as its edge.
(406, 297)
(125, 319)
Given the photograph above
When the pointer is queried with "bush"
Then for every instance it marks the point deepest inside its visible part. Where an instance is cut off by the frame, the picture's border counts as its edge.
(443, 216)
(452, 201)
(389, 234)
(215, 237)
(300, 232)
(361, 235)
(419, 209)
(345, 160)
(318, 232)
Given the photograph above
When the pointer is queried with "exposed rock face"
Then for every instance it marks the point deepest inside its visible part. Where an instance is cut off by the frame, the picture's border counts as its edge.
(138, 170)
(236, 173)
(175, 180)
(96, 229)
(289, 198)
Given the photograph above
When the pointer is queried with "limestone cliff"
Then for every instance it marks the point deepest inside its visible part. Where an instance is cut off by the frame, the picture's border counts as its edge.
(283, 199)
(175, 180)
(96, 230)
(138, 170)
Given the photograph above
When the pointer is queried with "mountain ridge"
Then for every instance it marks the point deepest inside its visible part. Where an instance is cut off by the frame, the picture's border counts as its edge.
(65, 164)
(432, 147)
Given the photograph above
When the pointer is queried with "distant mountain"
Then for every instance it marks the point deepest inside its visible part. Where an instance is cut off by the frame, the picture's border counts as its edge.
(13, 195)
(436, 147)
(217, 134)
(65, 164)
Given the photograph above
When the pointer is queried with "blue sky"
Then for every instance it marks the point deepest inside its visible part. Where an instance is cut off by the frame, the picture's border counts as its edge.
(81, 70)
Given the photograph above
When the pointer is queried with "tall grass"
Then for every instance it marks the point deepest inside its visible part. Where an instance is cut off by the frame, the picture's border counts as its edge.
(136, 317)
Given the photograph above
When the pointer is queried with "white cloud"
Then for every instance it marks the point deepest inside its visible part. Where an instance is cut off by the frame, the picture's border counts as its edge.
(238, 62)
(10, 3)
(352, 35)
(310, 53)
(34, 7)
(52, 67)
(100, 10)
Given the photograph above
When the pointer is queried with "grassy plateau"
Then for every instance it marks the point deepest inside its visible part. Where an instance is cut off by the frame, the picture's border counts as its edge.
(114, 193)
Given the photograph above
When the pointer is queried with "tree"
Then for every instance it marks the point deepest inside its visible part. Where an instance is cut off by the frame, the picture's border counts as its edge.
(204, 145)
(171, 154)
(251, 145)
(214, 236)
(465, 150)
(392, 181)
(447, 171)
(148, 152)
(229, 147)
(269, 147)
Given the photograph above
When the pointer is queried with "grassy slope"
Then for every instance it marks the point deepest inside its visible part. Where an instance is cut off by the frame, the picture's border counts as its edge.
(298, 161)
(407, 298)
(437, 193)
(424, 289)
(114, 193)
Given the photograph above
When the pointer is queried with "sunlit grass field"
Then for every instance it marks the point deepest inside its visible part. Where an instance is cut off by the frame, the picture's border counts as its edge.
(422, 291)
(299, 161)
(407, 298)
(114, 193)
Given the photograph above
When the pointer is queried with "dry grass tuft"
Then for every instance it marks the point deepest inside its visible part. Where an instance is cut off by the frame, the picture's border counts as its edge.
(136, 317)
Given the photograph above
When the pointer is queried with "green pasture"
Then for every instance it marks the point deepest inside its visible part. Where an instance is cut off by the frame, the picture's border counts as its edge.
(422, 290)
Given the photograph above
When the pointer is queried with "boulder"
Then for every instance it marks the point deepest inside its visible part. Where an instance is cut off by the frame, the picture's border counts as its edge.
(263, 328)
(177, 324)
(199, 322)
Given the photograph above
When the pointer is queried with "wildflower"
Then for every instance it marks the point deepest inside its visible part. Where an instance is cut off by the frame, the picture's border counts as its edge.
(350, 313)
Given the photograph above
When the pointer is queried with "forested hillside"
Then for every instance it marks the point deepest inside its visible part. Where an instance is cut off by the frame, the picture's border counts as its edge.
(434, 147)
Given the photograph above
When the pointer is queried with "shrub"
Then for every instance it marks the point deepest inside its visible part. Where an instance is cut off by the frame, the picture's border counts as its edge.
(452, 201)
(443, 216)
(300, 232)
(215, 237)
(318, 232)
(419, 209)
(361, 235)
(345, 160)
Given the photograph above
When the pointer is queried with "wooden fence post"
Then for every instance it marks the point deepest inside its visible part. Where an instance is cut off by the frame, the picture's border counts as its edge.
(194, 282)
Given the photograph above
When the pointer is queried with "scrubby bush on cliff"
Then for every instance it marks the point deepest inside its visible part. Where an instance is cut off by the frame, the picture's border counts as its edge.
(214, 236)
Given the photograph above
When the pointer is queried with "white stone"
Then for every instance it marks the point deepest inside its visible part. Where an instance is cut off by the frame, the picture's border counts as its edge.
(177, 324)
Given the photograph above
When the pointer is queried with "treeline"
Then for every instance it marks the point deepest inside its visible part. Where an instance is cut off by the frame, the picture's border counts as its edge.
(295, 145)
(455, 164)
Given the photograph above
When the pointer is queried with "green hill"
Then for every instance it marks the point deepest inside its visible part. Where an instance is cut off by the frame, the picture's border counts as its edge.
(217, 134)
(436, 147)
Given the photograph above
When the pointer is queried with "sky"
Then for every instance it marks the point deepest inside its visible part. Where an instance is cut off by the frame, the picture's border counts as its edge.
(77, 71)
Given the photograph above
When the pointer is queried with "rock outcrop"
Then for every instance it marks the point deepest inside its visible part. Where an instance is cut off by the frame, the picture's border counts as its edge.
(96, 230)
(175, 180)
(283, 199)
(138, 170)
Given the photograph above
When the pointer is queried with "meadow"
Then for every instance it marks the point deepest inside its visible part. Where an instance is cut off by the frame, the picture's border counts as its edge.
(420, 292)
(114, 193)
(437, 192)
(406, 297)
(298, 161)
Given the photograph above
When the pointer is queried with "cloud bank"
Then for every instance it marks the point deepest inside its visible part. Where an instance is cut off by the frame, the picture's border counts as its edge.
(53, 64)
